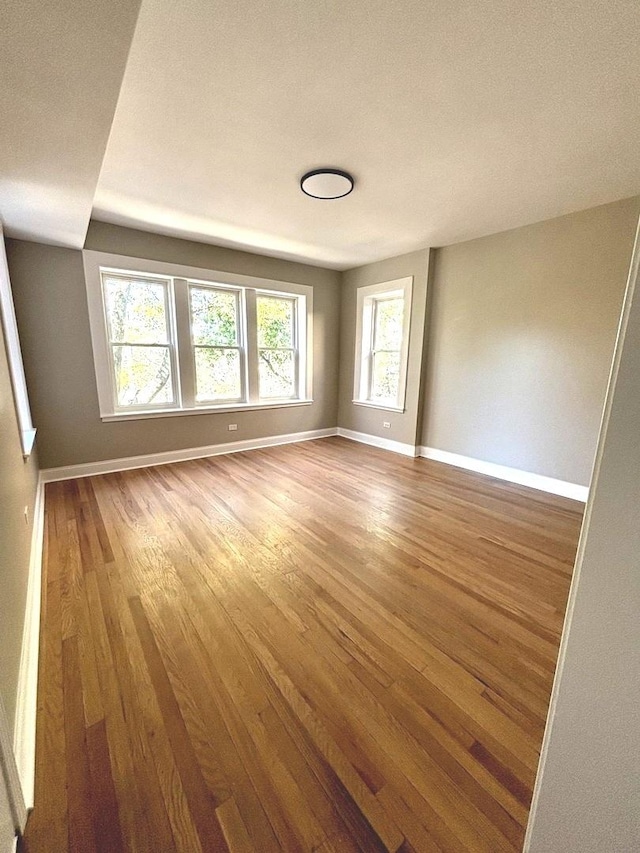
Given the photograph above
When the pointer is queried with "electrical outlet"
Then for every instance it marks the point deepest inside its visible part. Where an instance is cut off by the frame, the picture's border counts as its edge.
(386, 424)
(26, 515)
(233, 427)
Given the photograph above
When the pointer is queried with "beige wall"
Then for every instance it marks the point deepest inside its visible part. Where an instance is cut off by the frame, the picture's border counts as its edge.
(521, 335)
(587, 797)
(51, 305)
(404, 425)
(18, 481)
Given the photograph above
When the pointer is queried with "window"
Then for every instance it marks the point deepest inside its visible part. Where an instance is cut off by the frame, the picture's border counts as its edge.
(382, 344)
(166, 342)
(277, 347)
(216, 340)
(14, 355)
(141, 354)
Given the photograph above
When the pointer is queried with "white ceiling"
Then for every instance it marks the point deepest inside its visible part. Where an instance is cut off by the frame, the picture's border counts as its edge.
(456, 118)
(62, 64)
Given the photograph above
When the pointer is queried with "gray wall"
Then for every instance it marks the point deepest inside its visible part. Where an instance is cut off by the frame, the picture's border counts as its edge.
(51, 305)
(18, 481)
(404, 425)
(521, 335)
(587, 798)
(518, 344)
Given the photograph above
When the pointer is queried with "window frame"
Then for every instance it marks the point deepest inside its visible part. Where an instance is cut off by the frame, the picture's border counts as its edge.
(14, 355)
(296, 346)
(367, 299)
(241, 335)
(170, 345)
(181, 278)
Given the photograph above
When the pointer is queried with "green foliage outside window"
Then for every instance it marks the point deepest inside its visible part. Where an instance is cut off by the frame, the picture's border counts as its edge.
(387, 338)
(215, 335)
(276, 341)
(138, 327)
(137, 321)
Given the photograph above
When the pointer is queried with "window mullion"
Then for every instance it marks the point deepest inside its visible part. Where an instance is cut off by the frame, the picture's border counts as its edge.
(295, 339)
(251, 332)
(184, 349)
(372, 349)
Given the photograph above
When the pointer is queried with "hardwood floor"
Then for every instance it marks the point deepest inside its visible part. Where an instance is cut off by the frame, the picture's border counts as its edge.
(320, 646)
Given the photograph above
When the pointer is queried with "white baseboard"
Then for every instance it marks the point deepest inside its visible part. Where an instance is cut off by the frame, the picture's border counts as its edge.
(513, 475)
(376, 441)
(108, 466)
(24, 741)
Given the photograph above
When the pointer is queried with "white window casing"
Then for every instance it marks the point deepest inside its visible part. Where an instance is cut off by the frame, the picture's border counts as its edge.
(293, 348)
(14, 355)
(368, 300)
(179, 282)
(168, 341)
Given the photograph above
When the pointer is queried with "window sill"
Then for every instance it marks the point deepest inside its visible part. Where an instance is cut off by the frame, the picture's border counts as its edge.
(203, 410)
(381, 406)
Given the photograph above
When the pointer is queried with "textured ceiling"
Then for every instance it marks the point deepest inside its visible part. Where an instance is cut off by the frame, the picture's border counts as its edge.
(456, 118)
(62, 64)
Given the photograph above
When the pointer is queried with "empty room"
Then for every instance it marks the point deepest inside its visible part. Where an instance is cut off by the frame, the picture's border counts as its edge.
(319, 417)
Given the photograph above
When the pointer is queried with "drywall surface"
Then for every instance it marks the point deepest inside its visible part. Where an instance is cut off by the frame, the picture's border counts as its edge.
(7, 833)
(18, 483)
(51, 304)
(62, 67)
(404, 426)
(520, 338)
(587, 797)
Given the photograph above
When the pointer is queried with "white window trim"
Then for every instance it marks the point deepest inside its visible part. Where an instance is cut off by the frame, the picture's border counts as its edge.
(171, 335)
(14, 355)
(205, 410)
(364, 301)
(189, 397)
(296, 345)
(94, 261)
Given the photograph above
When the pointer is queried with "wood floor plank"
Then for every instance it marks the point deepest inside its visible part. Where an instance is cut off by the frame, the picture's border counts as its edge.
(49, 825)
(233, 827)
(106, 814)
(79, 790)
(223, 729)
(314, 647)
(143, 824)
(163, 793)
(201, 803)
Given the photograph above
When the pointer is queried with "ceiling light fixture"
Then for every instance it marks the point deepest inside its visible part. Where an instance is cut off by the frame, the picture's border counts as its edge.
(326, 183)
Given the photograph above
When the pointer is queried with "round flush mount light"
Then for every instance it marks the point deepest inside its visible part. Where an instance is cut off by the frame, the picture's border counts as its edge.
(326, 183)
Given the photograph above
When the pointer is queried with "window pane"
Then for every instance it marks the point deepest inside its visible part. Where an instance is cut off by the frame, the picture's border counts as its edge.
(143, 375)
(217, 374)
(136, 310)
(386, 376)
(214, 317)
(389, 316)
(275, 321)
(276, 373)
